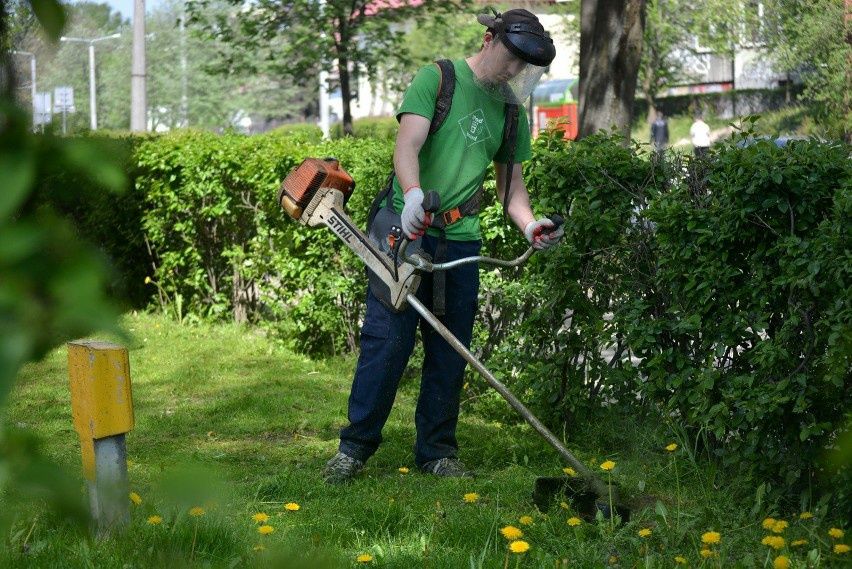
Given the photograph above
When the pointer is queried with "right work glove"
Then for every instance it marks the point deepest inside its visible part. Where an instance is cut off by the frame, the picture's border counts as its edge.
(415, 219)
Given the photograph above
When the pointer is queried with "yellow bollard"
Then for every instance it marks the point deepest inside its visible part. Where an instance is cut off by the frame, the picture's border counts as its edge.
(102, 408)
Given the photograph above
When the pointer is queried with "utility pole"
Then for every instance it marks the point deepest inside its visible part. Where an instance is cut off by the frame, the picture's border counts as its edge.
(184, 99)
(32, 80)
(93, 107)
(325, 125)
(138, 99)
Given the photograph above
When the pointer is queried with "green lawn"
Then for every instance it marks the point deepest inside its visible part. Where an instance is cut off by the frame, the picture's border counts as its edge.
(228, 421)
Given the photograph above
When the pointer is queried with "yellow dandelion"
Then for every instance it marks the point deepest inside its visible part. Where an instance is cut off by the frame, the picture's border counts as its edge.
(779, 526)
(569, 471)
(526, 520)
(798, 543)
(519, 546)
(135, 498)
(805, 516)
(511, 533)
(768, 523)
(841, 548)
(260, 518)
(197, 511)
(155, 520)
(265, 530)
(672, 447)
(680, 560)
(774, 541)
(292, 507)
(364, 558)
(836, 533)
(705, 553)
(471, 497)
(608, 465)
(781, 562)
(574, 522)
(644, 532)
(711, 537)
(403, 470)
(564, 505)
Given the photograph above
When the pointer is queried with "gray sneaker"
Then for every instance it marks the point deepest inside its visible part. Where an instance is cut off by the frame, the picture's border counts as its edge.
(450, 467)
(341, 469)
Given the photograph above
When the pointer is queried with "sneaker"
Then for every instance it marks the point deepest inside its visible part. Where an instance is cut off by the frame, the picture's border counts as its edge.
(450, 467)
(341, 469)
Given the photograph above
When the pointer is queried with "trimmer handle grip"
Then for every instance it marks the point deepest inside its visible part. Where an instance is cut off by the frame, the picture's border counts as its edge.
(558, 221)
(431, 202)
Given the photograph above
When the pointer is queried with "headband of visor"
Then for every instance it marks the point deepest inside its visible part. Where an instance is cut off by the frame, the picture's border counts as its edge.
(529, 43)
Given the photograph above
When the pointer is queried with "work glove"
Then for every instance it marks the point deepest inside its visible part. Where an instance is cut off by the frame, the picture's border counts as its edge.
(543, 233)
(415, 219)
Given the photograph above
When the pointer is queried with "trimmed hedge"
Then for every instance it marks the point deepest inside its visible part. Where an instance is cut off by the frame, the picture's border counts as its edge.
(717, 291)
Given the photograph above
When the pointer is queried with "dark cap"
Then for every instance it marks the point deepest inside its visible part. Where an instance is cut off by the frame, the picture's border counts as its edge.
(522, 33)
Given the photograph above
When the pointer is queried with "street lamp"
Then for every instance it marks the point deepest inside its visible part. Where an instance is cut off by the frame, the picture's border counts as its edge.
(33, 77)
(91, 42)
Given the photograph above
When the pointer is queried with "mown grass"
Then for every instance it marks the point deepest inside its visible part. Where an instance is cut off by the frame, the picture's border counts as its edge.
(229, 422)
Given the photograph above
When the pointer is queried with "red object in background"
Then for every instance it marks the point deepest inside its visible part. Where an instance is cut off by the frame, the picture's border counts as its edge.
(562, 116)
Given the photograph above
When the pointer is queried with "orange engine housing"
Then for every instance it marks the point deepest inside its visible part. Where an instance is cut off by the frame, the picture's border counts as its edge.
(304, 180)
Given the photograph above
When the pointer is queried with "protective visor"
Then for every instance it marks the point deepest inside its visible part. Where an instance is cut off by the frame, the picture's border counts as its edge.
(506, 77)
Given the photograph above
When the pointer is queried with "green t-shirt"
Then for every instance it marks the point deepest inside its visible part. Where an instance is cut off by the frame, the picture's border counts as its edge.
(453, 161)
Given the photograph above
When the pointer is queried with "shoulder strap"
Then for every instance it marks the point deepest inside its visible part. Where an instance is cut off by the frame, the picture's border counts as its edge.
(444, 99)
(510, 137)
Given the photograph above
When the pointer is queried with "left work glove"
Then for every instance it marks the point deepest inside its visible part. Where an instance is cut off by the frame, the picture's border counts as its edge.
(543, 233)
(415, 219)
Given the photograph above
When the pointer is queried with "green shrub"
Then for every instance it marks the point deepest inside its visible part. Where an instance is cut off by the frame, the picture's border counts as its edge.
(381, 128)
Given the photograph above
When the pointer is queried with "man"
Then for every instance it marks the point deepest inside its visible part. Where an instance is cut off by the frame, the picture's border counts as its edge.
(660, 133)
(452, 161)
(700, 134)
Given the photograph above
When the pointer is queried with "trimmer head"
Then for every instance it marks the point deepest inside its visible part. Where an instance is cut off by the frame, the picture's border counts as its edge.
(302, 183)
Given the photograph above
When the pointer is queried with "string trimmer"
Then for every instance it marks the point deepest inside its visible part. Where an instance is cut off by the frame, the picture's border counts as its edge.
(315, 193)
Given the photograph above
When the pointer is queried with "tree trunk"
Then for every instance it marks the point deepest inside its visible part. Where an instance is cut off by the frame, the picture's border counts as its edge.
(610, 53)
(345, 93)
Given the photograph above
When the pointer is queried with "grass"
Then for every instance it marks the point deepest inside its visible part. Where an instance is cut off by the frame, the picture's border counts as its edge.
(229, 422)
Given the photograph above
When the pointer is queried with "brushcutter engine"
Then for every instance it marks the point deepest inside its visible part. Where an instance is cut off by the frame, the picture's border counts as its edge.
(314, 194)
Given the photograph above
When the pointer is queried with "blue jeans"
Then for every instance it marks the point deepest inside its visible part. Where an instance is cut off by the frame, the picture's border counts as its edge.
(387, 339)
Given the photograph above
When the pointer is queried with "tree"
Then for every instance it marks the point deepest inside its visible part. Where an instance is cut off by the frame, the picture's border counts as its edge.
(302, 37)
(610, 51)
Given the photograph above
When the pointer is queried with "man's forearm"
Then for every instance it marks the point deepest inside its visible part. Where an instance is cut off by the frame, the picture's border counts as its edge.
(406, 166)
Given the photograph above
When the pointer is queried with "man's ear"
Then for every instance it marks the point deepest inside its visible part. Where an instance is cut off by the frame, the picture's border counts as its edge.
(487, 39)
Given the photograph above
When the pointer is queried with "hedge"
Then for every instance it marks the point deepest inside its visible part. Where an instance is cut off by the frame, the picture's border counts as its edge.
(716, 291)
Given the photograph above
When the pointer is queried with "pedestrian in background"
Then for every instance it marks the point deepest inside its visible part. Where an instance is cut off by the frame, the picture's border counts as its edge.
(700, 134)
(660, 133)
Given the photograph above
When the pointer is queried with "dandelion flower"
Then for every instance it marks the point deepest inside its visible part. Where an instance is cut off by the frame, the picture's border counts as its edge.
(403, 470)
(779, 526)
(197, 511)
(781, 562)
(574, 522)
(798, 542)
(774, 541)
(265, 530)
(836, 533)
(680, 560)
(569, 471)
(292, 507)
(260, 518)
(258, 547)
(644, 532)
(471, 497)
(364, 558)
(672, 447)
(768, 523)
(564, 505)
(711, 537)
(135, 498)
(519, 546)
(705, 553)
(805, 516)
(526, 520)
(511, 533)
(608, 465)
(841, 548)
(155, 520)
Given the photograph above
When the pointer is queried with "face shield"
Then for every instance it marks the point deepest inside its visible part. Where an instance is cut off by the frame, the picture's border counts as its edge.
(512, 64)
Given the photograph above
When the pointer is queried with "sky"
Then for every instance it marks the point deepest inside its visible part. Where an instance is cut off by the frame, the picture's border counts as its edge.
(126, 6)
